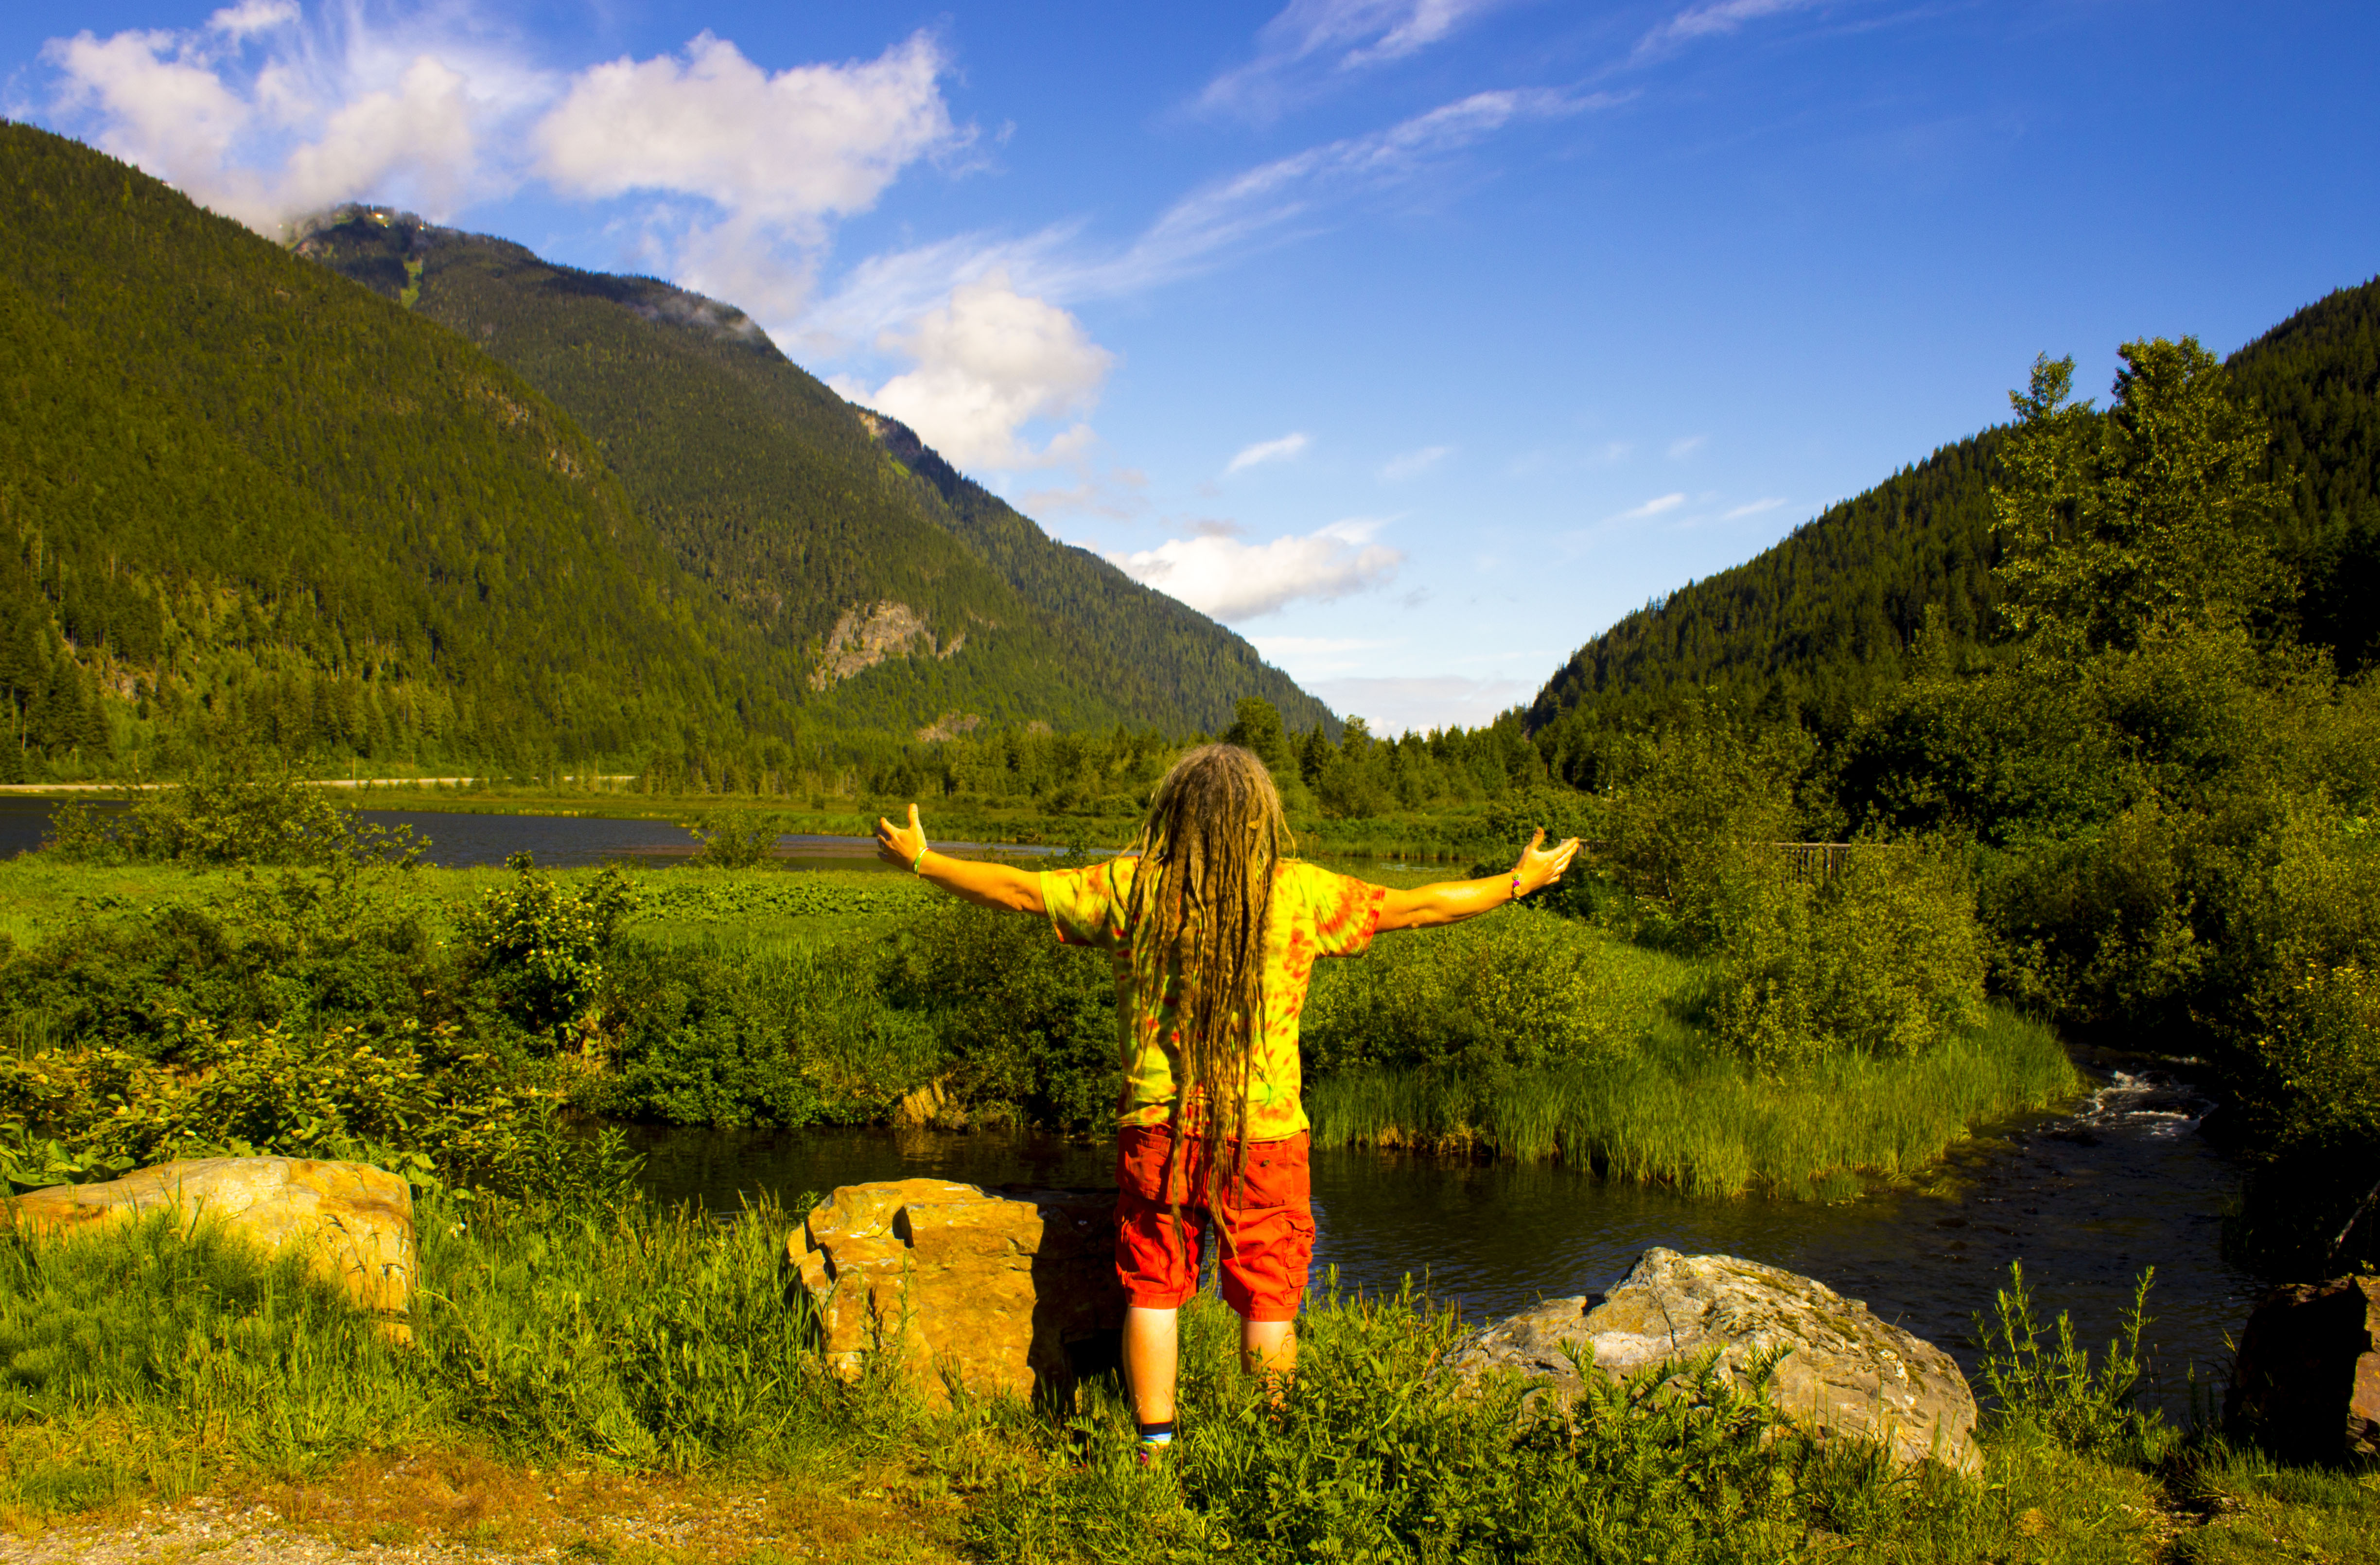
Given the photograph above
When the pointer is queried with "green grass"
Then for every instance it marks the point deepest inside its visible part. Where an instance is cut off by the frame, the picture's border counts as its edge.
(1676, 1113)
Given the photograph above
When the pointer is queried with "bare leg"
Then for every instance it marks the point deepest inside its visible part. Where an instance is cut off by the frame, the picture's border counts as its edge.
(1152, 1360)
(1269, 1348)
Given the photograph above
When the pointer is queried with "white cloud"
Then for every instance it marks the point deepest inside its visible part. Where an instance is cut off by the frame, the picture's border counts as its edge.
(806, 143)
(1232, 581)
(1682, 448)
(1309, 657)
(1716, 19)
(254, 16)
(1754, 509)
(1412, 464)
(1265, 451)
(263, 115)
(1653, 507)
(989, 361)
(1314, 41)
(1398, 706)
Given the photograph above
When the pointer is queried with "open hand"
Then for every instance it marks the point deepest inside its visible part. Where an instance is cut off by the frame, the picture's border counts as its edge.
(901, 844)
(1540, 866)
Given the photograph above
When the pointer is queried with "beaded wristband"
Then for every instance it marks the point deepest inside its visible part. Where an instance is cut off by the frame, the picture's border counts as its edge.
(920, 858)
(1517, 885)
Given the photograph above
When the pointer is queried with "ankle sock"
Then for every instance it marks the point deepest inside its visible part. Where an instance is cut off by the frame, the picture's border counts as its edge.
(1156, 1434)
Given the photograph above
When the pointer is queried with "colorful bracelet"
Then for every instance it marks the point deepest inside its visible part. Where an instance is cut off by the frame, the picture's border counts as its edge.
(920, 858)
(1517, 885)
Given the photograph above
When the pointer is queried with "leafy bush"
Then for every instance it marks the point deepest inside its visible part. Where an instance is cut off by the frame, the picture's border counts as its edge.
(723, 1035)
(1027, 1027)
(1517, 988)
(1884, 957)
(534, 950)
(237, 810)
(418, 1102)
(298, 952)
(733, 838)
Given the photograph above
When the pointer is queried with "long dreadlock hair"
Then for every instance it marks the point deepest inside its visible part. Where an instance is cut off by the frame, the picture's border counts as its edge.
(1196, 918)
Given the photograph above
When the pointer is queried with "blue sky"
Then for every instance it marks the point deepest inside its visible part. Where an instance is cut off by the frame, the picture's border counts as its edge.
(1417, 339)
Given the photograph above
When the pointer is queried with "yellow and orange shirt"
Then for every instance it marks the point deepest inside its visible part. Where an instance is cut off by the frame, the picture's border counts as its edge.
(1314, 914)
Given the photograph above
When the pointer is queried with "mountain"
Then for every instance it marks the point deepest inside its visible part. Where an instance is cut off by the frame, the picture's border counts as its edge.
(905, 591)
(245, 502)
(1819, 623)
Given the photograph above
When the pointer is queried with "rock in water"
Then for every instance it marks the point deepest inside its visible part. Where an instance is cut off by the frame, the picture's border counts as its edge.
(353, 1222)
(1842, 1369)
(1008, 1292)
(2307, 1378)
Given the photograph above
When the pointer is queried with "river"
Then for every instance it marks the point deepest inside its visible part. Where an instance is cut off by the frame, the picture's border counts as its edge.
(2085, 1200)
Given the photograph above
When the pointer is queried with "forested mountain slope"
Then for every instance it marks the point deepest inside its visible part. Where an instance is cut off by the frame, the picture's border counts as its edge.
(1819, 623)
(908, 591)
(244, 501)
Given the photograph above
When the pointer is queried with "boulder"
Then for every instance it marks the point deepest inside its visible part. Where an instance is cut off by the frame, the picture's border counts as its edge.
(1007, 1293)
(353, 1222)
(1841, 1369)
(2306, 1379)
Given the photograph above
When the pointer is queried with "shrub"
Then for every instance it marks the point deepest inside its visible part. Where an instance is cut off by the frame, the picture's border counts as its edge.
(418, 1102)
(238, 810)
(1516, 990)
(2040, 1375)
(1883, 958)
(1027, 1026)
(736, 840)
(534, 950)
(726, 1035)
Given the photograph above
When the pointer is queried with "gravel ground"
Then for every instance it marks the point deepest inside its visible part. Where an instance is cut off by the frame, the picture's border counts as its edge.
(221, 1533)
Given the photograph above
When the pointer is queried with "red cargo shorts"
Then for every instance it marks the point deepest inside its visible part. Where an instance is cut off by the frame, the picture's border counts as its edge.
(1266, 1218)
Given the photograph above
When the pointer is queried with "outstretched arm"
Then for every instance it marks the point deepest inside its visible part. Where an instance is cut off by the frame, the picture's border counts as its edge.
(1450, 901)
(986, 885)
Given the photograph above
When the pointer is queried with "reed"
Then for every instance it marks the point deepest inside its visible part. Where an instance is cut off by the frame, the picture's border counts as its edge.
(1677, 1114)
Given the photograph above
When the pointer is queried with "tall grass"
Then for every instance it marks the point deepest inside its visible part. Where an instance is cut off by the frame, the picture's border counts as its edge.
(632, 1337)
(1681, 1115)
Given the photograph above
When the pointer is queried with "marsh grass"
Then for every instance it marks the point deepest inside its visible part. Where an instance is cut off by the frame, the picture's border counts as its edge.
(1677, 1114)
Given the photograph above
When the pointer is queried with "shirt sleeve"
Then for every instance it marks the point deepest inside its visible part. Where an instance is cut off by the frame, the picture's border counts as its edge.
(1346, 911)
(1086, 906)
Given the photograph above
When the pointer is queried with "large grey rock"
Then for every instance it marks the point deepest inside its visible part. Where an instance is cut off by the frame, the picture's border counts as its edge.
(1841, 1369)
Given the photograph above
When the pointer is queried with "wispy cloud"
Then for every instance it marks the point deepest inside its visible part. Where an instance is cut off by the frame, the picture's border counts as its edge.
(1656, 507)
(1317, 42)
(1716, 19)
(1233, 581)
(1412, 464)
(1754, 509)
(1685, 447)
(1265, 451)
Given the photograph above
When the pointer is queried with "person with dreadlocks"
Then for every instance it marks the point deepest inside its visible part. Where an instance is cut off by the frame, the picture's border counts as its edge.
(1214, 929)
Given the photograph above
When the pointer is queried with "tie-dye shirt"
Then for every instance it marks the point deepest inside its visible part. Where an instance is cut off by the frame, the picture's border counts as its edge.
(1314, 914)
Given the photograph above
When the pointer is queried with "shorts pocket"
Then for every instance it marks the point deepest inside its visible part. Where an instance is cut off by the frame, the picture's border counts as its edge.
(1141, 1151)
(1277, 1174)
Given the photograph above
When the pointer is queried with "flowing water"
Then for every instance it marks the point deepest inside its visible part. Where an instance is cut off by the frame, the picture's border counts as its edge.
(2085, 1200)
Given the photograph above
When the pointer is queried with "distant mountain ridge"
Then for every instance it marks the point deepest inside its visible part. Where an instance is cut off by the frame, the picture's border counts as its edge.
(907, 593)
(1820, 622)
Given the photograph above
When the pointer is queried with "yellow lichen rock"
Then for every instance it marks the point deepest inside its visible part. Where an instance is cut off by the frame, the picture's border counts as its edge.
(353, 1222)
(999, 1295)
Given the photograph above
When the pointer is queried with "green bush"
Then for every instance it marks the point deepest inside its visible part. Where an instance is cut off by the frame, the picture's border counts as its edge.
(422, 1103)
(728, 1035)
(733, 838)
(533, 950)
(240, 809)
(1027, 1026)
(1883, 958)
(2039, 1374)
(1516, 990)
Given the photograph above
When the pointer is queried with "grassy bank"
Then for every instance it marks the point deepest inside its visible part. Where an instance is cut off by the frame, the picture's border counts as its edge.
(575, 1364)
(700, 996)
(1677, 1115)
